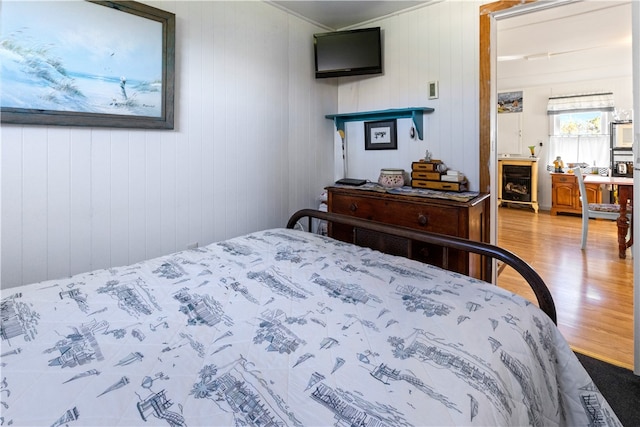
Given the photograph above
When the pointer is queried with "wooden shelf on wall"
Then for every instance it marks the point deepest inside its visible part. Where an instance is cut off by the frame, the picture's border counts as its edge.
(414, 113)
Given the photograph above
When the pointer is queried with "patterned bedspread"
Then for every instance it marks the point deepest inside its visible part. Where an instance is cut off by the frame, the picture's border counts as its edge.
(282, 327)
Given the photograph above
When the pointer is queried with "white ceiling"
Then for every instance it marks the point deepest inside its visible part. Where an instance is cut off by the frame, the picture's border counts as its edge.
(572, 27)
(585, 40)
(339, 14)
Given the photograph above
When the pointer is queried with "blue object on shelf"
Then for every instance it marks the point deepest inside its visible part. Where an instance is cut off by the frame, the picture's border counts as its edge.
(414, 113)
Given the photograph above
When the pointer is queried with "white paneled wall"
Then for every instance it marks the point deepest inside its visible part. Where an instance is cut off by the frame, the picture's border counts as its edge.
(251, 145)
(435, 43)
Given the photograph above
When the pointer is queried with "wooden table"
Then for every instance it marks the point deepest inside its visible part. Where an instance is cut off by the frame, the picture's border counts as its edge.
(625, 196)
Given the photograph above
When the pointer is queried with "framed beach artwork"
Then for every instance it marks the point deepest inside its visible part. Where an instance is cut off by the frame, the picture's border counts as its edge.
(510, 102)
(87, 63)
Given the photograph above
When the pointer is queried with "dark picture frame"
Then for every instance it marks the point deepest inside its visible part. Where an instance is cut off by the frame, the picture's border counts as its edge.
(76, 83)
(380, 135)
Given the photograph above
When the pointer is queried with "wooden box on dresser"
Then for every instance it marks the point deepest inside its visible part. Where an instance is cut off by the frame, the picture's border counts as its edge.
(565, 194)
(455, 218)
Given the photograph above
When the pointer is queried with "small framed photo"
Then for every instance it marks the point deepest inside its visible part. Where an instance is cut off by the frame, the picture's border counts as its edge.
(510, 102)
(433, 90)
(380, 135)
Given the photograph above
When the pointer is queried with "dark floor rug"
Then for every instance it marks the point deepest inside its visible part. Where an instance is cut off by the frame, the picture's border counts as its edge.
(618, 385)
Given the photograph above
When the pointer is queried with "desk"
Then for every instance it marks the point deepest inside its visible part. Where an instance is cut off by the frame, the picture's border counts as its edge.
(625, 193)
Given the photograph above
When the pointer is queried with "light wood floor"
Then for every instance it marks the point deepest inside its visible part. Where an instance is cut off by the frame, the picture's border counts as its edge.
(592, 289)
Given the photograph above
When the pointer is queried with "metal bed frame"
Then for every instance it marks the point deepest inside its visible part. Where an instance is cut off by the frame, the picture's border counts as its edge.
(488, 251)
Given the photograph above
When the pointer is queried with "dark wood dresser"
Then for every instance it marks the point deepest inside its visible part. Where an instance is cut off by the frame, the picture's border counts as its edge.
(451, 217)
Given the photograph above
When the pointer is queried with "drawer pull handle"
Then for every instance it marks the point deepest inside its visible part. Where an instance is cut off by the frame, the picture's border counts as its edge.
(422, 219)
(353, 207)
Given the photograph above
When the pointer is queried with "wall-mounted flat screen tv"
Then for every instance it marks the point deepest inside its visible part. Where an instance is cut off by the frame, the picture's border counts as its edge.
(348, 53)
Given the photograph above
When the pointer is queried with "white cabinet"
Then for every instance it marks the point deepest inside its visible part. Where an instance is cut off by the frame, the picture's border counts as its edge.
(510, 134)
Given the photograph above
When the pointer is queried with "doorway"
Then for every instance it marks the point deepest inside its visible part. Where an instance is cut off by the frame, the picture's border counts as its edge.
(488, 96)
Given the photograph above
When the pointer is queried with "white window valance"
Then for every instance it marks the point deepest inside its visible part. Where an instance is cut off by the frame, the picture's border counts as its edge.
(583, 102)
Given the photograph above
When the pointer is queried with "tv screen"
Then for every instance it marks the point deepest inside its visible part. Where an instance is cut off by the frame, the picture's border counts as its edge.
(348, 53)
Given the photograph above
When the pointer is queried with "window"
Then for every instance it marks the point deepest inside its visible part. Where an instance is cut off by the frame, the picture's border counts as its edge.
(580, 123)
(580, 138)
(579, 128)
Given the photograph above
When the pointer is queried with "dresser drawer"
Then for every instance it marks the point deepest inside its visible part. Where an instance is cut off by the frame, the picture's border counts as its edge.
(437, 219)
(361, 207)
(453, 218)
(434, 218)
(570, 179)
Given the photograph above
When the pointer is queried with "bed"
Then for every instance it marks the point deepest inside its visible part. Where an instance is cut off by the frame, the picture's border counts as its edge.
(286, 327)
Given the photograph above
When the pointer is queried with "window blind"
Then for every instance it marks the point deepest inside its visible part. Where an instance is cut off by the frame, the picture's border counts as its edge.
(583, 102)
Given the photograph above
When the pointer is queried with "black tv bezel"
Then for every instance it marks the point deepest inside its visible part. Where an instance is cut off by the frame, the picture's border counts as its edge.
(343, 72)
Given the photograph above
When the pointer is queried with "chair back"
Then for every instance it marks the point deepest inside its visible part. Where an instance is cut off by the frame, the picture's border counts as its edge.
(584, 201)
(595, 210)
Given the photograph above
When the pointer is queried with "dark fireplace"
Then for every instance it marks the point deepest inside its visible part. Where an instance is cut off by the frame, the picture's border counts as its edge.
(516, 183)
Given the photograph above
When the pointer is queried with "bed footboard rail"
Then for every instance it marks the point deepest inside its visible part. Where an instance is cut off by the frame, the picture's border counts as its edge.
(488, 251)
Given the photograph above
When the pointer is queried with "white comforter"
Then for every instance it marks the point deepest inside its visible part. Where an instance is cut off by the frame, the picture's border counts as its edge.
(282, 327)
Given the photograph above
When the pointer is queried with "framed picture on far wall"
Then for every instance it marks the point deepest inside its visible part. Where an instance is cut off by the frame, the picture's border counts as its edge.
(380, 135)
(87, 63)
(510, 102)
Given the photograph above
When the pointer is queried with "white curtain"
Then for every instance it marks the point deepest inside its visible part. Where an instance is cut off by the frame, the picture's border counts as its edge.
(581, 149)
(591, 149)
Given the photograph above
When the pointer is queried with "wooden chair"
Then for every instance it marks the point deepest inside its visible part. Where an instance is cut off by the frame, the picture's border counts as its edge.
(594, 210)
